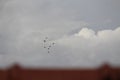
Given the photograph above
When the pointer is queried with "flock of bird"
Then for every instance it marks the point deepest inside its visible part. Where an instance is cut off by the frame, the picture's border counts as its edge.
(47, 44)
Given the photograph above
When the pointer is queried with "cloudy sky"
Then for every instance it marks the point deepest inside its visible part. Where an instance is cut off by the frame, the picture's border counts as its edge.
(86, 32)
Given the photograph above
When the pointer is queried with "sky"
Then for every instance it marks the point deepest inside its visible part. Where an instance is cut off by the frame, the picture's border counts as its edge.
(86, 33)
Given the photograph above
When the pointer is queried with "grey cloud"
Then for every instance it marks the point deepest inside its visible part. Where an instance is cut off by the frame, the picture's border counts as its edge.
(24, 23)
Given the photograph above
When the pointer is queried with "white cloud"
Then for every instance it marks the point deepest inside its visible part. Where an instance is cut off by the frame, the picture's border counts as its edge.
(93, 48)
(87, 49)
(86, 33)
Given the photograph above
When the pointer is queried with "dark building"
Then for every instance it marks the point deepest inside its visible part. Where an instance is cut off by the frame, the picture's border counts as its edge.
(102, 73)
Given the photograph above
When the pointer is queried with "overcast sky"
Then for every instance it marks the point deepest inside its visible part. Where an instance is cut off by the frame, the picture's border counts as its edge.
(86, 32)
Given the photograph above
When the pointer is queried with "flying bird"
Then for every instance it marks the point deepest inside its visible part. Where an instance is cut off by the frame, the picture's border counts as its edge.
(48, 51)
(53, 43)
(44, 41)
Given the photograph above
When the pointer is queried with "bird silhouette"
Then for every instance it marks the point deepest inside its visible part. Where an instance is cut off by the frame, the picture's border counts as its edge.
(48, 51)
(44, 41)
(53, 43)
